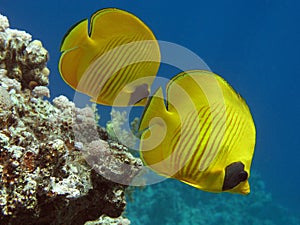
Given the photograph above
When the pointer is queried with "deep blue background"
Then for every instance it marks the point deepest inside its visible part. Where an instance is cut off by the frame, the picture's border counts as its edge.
(254, 45)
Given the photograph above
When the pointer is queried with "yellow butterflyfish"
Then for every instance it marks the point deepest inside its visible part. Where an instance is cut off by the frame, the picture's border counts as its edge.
(114, 62)
(202, 135)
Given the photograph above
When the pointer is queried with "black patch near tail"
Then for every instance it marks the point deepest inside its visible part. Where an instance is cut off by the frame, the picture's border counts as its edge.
(234, 174)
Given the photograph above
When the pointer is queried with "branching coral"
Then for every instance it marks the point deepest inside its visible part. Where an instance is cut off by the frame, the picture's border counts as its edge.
(118, 128)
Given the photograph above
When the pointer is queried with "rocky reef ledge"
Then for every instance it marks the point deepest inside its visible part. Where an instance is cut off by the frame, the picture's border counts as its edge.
(45, 147)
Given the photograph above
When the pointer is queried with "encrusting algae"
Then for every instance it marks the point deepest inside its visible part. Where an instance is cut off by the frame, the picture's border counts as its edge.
(44, 177)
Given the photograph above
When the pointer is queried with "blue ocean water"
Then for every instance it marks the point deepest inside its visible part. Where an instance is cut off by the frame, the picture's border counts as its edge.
(253, 45)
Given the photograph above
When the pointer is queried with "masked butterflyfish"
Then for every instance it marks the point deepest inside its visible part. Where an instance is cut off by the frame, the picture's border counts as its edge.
(202, 134)
(108, 61)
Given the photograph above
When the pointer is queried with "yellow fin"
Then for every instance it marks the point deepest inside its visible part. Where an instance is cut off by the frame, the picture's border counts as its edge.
(75, 36)
(112, 22)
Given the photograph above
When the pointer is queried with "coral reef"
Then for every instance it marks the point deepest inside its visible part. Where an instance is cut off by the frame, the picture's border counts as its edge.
(118, 131)
(172, 202)
(44, 174)
(105, 220)
(22, 59)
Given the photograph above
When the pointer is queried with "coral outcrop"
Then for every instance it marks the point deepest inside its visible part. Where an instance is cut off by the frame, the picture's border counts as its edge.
(185, 205)
(48, 150)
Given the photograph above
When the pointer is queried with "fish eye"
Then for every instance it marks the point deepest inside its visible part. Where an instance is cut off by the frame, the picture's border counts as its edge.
(234, 175)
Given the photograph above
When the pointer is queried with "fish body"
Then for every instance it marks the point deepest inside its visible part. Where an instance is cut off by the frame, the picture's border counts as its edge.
(203, 135)
(114, 62)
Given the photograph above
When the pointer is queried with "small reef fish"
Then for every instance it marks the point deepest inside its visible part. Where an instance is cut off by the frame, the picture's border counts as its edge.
(114, 62)
(202, 135)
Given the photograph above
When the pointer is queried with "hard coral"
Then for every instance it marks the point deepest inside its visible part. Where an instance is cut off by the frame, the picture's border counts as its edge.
(44, 177)
(112, 161)
(23, 59)
(172, 202)
(105, 220)
(5, 106)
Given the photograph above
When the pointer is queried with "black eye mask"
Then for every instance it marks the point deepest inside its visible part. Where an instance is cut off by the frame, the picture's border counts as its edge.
(234, 174)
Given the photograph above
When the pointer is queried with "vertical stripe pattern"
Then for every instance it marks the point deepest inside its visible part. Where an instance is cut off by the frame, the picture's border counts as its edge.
(109, 61)
(211, 130)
